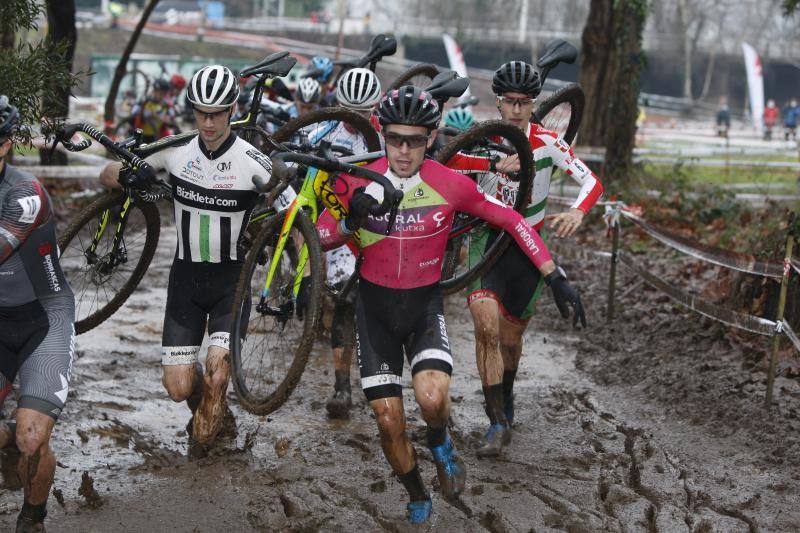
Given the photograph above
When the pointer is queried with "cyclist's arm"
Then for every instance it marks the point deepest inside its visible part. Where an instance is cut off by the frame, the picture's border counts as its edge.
(469, 199)
(591, 187)
(469, 163)
(26, 207)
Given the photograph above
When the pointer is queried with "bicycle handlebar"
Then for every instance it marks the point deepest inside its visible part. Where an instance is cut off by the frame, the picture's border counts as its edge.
(65, 134)
(391, 196)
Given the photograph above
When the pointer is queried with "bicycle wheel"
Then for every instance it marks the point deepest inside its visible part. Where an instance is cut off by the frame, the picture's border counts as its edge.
(269, 360)
(457, 270)
(562, 112)
(101, 278)
(352, 119)
(419, 75)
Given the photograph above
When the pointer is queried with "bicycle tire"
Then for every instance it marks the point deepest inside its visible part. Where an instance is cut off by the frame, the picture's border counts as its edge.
(85, 218)
(422, 69)
(472, 137)
(351, 118)
(571, 95)
(267, 402)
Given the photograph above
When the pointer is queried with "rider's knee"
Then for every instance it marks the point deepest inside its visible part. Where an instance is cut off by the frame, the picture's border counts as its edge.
(511, 345)
(432, 402)
(179, 386)
(31, 438)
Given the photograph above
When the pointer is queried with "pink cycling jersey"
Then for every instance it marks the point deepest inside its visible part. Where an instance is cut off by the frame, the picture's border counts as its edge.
(411, 255)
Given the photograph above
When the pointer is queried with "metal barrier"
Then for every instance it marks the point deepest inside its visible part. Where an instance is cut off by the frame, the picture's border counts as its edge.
(616, 211)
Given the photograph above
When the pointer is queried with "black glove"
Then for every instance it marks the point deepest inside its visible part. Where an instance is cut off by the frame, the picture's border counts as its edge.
(303, 296)
(360, 204)
(565, 296)
(136, 178)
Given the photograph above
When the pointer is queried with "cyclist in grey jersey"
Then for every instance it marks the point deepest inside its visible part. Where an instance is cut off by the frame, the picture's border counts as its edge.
(213, 192)
(37, 311)
(358, 90)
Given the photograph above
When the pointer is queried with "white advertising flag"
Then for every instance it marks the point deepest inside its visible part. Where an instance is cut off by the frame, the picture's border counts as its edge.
(456, 59)
(755, 84)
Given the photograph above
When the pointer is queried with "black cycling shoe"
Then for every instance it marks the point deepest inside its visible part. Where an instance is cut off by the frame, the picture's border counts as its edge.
(498, 436)
(29, 525)
(339, 405)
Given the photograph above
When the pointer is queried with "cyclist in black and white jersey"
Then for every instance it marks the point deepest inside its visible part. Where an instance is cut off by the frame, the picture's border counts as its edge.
(357, 90)
(213, 192)
(37, 310)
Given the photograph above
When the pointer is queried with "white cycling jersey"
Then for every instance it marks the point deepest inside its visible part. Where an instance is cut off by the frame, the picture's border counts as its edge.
(213, 193)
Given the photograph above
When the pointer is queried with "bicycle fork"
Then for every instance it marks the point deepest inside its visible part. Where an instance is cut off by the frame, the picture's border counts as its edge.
(118, 253)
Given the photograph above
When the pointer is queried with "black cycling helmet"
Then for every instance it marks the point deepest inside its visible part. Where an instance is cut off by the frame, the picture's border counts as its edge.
(9, 118)
(411, 106)
(517, 77)
(162, 85)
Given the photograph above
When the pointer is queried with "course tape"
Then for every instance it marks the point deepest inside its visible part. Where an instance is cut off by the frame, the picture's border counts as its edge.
(754, 324)
(791, 335)
(735, 261)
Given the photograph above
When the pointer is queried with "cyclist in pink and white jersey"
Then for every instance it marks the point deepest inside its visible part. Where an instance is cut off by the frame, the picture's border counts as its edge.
(399, 305)
(503, 300)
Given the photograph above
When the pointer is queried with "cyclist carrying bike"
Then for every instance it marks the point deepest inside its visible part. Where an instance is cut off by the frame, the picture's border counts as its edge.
(503, 300)
(156, 113)
(37, 310)
(213, 192)
(357, 90)
(399, 306)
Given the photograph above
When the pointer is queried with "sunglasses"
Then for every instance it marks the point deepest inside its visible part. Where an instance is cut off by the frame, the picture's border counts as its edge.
(202, 115)
(413, 141)
(511, 102)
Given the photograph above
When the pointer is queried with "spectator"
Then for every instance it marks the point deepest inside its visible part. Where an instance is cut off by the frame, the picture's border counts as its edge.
(771, 113)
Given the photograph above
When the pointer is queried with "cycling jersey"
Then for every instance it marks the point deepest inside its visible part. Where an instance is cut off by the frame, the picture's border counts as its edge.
(411, 255)
(548, 151)
(37, 307)
(150, 115)
(213, 195)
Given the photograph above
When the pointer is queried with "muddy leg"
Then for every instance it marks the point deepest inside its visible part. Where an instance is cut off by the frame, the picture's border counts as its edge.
(342, 341)
(210, 413)
(511, 350)
(37, 464)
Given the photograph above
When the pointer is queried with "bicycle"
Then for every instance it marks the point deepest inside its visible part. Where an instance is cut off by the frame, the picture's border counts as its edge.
(266, 365)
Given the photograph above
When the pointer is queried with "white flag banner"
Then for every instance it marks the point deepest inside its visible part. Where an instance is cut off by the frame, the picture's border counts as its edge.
(456, 59)
(755, 84)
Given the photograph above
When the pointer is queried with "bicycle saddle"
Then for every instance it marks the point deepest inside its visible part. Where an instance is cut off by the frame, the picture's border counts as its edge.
(446, 85)
(278, 64)
(557, 51)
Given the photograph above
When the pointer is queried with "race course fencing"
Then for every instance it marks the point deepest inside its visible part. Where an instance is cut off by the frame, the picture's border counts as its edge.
(616, 211)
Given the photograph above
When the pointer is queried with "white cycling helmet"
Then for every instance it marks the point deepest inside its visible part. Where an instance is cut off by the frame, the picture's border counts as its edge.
(213, 86)
(358, 89)
(308, 91)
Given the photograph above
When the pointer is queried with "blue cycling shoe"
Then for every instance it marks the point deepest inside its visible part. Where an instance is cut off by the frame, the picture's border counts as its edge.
(450, 468)
(419, 511)
(498, 436)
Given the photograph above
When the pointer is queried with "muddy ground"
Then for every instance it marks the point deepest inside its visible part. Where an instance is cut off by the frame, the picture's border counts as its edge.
(654, 423)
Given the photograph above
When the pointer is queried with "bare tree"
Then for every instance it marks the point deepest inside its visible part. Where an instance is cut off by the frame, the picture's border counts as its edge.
(122, 66)
(611, 65)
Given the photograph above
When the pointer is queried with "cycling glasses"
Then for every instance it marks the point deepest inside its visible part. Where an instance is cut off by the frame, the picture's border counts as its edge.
(202, 115)
(413, 141)
(511, 102)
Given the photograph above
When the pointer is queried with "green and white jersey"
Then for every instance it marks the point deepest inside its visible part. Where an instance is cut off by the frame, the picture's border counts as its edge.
(213, 195)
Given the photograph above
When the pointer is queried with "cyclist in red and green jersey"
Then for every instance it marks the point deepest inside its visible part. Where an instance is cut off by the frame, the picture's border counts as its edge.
(503, 300)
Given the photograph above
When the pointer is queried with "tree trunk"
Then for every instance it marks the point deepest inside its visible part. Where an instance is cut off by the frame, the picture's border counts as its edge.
(60, 32)
(611, 65)
(7, 41)
(122, 66)
(709, 73)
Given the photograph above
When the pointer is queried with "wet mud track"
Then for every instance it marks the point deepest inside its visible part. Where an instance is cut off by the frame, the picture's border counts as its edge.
(605, 439)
